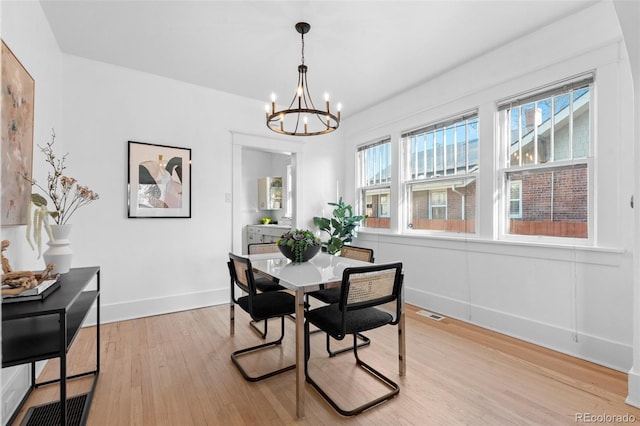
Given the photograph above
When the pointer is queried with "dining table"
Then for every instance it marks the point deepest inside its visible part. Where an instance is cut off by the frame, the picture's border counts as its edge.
(322, 271)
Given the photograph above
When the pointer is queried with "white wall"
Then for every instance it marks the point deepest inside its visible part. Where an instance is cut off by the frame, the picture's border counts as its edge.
(153, 266)
(27, 33)
(149, 266)
(570, 298)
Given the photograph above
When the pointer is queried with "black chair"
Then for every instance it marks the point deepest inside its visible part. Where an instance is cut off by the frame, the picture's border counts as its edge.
(332, 295)
(260, 306)
(363, 288)
(264, 284)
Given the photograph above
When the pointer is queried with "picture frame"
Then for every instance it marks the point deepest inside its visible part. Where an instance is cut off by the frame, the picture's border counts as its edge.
(159, 181)
(16, 119)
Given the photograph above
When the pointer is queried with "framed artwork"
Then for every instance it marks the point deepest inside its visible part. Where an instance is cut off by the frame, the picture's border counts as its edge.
(18, 90)
(159, 181)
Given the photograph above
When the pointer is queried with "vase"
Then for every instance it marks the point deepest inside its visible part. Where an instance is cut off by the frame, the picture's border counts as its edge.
(307, 255)
(59, 251)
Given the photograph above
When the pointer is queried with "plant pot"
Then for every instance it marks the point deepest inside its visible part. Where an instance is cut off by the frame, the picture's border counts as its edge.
(306, 256)
(59, 251)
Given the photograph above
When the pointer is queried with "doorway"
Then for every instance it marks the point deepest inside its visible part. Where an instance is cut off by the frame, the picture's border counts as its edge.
(247, 151)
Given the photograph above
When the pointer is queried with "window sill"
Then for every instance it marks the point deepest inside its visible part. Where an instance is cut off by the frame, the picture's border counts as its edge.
(474, 244)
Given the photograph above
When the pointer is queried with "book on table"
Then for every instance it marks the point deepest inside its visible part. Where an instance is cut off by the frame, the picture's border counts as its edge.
(40, 292)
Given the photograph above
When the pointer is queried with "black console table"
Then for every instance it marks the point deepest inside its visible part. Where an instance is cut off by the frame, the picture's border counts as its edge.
(39, 330)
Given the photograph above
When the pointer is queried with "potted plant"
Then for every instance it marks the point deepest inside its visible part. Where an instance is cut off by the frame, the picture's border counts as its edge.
(341, 228)
(299, 245)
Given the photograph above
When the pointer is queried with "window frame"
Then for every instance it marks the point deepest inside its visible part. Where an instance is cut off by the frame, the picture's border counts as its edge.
(362, 181)
(517, 215)
(439, 182)
(504, 168)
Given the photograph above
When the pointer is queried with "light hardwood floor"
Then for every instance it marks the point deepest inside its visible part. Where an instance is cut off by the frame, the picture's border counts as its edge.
(175, 370)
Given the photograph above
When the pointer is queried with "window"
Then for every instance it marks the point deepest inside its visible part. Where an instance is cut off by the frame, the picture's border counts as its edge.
(515, 199)
(441, 164)
(546, 173)
(374, 167)
(289, 192)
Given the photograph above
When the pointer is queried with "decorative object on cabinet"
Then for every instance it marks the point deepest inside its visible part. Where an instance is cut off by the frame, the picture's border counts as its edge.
(159, 180)
(341, 228)
(270, 193)
(299, 245)
(59, 253)
(25, 285)
(67, 196)
(18, 89)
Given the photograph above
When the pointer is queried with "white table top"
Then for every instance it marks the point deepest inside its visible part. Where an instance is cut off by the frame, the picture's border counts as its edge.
(323, 268)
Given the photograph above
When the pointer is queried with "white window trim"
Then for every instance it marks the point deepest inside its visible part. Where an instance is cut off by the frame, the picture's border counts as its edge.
(360, 207)
(503, 213)
(517, 215)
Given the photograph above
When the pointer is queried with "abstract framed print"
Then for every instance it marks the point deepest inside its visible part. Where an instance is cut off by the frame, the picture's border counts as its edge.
(18, 90)
(159, 180)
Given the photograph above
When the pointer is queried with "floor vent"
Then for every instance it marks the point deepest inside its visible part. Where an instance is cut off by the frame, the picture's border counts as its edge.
(49, 414)
(431, 315)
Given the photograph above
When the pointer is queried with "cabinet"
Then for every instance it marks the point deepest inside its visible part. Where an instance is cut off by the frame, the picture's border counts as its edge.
(265, 233)
(270, 193)
(39, 330)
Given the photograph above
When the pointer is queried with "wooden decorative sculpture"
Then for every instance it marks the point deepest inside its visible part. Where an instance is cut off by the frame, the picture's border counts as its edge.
(18, 281)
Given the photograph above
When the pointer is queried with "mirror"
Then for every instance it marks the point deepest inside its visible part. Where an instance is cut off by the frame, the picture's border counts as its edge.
(270, 193)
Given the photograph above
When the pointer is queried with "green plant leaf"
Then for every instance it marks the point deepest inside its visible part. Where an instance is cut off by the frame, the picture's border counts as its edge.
(322, 222)
(341, 227)
(38, 200)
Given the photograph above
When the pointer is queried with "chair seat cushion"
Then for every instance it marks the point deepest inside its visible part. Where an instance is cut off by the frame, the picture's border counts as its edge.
(265, 284)
(327, 295)
(328, 318)
(269, 305)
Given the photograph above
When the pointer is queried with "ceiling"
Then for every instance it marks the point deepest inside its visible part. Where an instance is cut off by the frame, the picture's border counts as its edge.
(360, 52)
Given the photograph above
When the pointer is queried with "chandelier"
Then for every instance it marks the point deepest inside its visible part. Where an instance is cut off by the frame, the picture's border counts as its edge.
(302, 118)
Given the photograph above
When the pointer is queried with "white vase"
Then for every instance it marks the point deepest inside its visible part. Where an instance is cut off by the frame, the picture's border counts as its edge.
(59, 251)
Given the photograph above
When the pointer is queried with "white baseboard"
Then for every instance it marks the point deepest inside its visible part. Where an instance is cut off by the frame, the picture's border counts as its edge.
(610, 354)
(15, 384)
(157, 306)
(633, 396)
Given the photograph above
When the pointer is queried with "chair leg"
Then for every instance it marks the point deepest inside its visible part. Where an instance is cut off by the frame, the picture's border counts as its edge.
(232, 321)
(365, 342)
(237, 354)
(254, 326)
(394, 389)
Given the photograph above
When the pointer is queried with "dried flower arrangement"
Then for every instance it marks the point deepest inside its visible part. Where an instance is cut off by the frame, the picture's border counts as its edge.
(63, 191)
